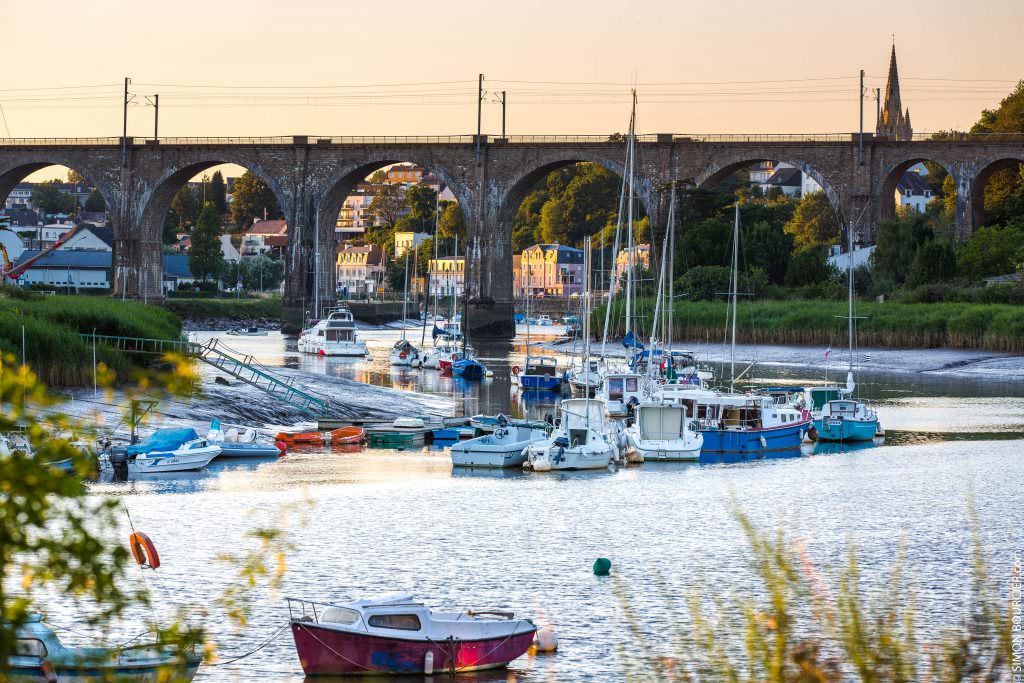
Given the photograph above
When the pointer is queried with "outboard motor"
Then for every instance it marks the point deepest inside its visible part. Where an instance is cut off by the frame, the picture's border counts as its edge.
(118, 456)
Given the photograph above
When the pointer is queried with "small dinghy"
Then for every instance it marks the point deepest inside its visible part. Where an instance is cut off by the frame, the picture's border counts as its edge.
(247, 332)
(301, 438)
(396, 635)
(506, 447)
(40, 656)
(408, 423)
(235, 444)
(348, 435)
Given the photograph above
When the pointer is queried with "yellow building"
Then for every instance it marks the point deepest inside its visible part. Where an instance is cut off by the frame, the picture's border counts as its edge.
(447, 276)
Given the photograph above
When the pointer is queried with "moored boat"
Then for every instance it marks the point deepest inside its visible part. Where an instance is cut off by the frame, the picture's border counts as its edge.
(348, 435)
(40, 656)
(396, 635)
(506, 447)
(244, 444)
(166, 450)
(662, 432)
(247, 332)
(333, 336)
(580, 442)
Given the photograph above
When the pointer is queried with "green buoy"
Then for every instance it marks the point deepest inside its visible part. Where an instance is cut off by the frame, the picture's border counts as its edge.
(602, 566)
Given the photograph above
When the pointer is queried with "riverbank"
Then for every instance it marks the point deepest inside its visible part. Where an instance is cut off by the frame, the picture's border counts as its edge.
(207, 313)
(51, 327)
(988, 327)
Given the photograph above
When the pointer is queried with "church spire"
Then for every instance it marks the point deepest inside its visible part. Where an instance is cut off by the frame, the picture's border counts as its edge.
(894, 125)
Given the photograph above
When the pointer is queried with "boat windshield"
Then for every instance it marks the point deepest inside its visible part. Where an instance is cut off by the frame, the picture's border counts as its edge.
(661, 423)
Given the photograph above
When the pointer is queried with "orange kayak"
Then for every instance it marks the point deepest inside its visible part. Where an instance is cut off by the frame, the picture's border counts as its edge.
(301, 437)
(348, 435)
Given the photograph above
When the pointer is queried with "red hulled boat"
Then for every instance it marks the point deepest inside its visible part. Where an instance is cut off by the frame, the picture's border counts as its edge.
(395, 635)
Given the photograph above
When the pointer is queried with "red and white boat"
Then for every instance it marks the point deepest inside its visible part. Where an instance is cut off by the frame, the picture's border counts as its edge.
(396, 635)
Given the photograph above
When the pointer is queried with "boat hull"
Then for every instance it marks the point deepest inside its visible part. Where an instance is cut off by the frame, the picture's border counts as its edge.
(540, 382)
(665, 451)
(324, 651)
(783, 438)
(841, 429)
(248, 450)
(28, 669)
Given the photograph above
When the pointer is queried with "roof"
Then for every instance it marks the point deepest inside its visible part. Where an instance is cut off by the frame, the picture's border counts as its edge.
(61, 258)
(374, 255)
(22, 217)
(786, 177)
(104, 233)
(176, 265)
(912, 181)
(275, 227)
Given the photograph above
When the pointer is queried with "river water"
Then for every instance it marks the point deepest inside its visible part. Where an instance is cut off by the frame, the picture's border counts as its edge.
(370, 522)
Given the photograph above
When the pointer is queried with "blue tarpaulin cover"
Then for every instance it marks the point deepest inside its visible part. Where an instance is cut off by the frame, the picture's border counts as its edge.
(163, 440)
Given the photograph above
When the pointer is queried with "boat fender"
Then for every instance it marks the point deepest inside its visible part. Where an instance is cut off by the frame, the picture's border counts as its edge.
(515, 370)
(764, 444)
(282, 447)
(545, 640)
(402, 355)
(812, 433)
(48, 672)
(321, 353)
(143, 550)
(428, 663)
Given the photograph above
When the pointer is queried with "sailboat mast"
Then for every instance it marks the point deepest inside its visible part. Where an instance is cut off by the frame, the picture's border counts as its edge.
(735, 294)
(661, 287)
(671, 265)
(629, 216)
(849, 269)
(405, 292)
(586, 323)
(614, 277)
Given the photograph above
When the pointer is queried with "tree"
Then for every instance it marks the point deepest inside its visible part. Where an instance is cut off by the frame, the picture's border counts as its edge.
(204, 258)
(991, 250)
(252, 198)
(422, 203)
(933, 262)
(1005, 184)
(218, 192)
(94, 202)
(259, 273)
(171, 226)
(49, 198)
(452, 223)
(552, 222)
(896, 246)
(76, 178)
(185, 206)
(388, 205)
(814, 222)
(768, 248)
(809, 267)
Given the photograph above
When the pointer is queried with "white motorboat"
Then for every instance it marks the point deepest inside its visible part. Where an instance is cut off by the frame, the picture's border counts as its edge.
(333, 336)
(585, 381)
(621, 391)
(662, 432)
(580, 442)
(166, 450)
(506, 447)
(248, 332)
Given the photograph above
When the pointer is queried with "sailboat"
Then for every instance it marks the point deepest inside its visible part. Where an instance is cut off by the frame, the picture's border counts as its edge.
(733, 422)
(445, 350)
(582, 440)
(403, 353)
(467, 367)
(539, 373)
(622, 389)
(837, 415)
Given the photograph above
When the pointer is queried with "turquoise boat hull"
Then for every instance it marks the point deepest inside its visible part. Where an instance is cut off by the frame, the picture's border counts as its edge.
(840, 429)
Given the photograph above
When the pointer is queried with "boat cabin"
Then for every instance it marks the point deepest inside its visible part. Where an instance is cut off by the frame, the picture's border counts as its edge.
(817, 397)
(546, 366)
(580, 418)
(621, 389)
(782, 396)
(658, 422)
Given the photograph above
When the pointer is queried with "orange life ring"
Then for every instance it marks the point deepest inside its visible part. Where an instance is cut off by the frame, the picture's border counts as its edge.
(143, 550)
(515, 370)
(402, 355)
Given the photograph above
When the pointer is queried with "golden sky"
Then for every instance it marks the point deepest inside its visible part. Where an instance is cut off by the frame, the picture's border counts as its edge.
(260, 67)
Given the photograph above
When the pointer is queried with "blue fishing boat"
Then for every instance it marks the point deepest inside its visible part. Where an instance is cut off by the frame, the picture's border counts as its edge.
(844, 419)
(540, 374)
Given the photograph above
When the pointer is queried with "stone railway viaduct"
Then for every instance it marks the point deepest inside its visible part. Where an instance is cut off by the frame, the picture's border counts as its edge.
(311, 177)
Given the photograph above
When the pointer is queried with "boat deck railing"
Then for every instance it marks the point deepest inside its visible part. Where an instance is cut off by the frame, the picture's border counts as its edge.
(215, 353)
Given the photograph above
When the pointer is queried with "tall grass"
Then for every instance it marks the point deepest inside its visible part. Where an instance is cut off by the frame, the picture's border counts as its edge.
(804, 623)
(996, 327)
(52, 326)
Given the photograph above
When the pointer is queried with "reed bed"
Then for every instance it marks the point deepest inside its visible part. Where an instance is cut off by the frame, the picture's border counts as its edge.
(52, 326)
(994, 327)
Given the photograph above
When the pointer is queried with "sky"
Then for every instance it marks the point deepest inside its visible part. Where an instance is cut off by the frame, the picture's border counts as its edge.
(262, 68)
